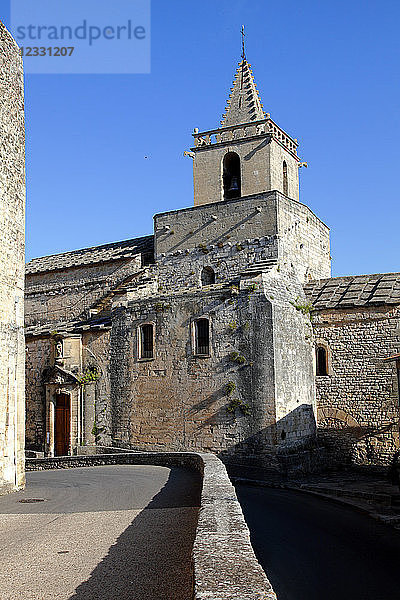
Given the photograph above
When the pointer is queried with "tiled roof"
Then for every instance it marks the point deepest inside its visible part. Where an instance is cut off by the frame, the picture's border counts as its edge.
(360, 290)
(96, 254)
(63, 328)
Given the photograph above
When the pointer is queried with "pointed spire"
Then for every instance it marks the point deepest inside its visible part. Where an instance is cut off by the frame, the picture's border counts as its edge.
(244, 104)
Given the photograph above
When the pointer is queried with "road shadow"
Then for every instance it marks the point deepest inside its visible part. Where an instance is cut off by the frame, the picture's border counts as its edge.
(152, 558)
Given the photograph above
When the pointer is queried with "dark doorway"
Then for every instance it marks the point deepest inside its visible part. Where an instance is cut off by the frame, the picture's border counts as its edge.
(63, 424)
(231, 176)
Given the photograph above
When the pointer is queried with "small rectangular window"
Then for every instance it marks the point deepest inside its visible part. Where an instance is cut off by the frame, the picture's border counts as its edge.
(146, 341)
(202, 336)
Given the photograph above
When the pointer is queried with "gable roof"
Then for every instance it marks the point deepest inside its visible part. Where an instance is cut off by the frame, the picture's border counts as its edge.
(95, 254)
(353, 291)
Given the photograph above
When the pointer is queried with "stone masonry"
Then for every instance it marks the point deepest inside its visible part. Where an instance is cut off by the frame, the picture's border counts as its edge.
(12, 223)
(68, 299)
(357, 320)
(206, 335)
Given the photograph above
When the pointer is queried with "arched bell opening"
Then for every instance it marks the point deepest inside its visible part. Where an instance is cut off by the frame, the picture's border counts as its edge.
(231, 176)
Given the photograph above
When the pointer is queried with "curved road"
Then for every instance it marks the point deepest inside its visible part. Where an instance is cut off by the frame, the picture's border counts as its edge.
(111, 532)
(313, 549)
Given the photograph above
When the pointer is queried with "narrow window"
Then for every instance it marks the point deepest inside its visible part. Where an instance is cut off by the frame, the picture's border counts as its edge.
(202, 336)
(146, 341)
(231, 176)
(322, 361)
(207, 276)
(285, 179)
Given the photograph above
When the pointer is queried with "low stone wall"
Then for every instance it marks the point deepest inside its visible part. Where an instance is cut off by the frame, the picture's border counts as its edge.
(225, 566)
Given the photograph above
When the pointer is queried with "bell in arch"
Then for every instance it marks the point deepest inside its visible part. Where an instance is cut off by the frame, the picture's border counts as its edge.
(231, 176)
(234, 187)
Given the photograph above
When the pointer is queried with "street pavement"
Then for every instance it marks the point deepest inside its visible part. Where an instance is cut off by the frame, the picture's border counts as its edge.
(314, 549)
(100, 533)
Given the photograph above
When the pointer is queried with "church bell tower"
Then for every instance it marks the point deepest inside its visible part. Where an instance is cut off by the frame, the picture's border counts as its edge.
(248, 154)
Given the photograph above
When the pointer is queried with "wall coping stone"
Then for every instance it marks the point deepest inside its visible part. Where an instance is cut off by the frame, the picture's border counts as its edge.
(225, 566)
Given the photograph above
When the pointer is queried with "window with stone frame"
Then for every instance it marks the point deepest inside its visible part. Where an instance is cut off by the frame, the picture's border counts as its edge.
(201, 337)
(322, 367)
(146, 341)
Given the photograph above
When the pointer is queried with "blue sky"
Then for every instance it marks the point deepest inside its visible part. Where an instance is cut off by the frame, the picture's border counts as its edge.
(327, 72)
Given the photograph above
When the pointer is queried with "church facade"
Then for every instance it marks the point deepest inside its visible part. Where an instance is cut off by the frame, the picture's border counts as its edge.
(222, 332)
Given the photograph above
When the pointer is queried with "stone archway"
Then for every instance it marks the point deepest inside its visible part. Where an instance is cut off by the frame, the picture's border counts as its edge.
(336, 415)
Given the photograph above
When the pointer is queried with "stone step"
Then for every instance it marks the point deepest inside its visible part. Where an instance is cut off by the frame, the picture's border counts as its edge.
(260, 267)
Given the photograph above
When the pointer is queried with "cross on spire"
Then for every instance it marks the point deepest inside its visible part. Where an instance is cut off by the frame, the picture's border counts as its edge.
(243, 44)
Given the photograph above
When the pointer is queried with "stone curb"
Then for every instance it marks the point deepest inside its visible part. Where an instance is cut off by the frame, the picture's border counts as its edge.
(225, 566)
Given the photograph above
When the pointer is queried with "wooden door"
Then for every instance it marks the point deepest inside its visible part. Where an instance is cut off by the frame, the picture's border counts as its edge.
(62, 425)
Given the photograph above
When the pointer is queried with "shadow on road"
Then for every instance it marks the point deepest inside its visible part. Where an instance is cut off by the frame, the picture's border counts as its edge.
(313, 549)
(151, 560)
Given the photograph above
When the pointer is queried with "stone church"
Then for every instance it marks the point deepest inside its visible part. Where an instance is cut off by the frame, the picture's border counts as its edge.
(223, 331)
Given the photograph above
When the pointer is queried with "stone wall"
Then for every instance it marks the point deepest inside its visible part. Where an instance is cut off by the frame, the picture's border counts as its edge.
(96, 353)
(180, 401)
(65, 294)
(12, 245)
(233, 235)
(92, 351)
(253, 394)
(227, 221)
(358, 401)
(38, 359)
(278, 154)
(304, 244)
(261, 161)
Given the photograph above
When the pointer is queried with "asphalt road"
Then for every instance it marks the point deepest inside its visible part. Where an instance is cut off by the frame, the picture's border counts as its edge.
(111, 532)
(312, 549)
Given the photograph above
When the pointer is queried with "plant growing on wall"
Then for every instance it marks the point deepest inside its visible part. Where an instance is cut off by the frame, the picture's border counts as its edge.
(88, 376)
(161, 306)
(237, 404)
(305, 308)
(236, 357)
(252, 287)
(230, 387)
(232, 326)
(96, 432)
